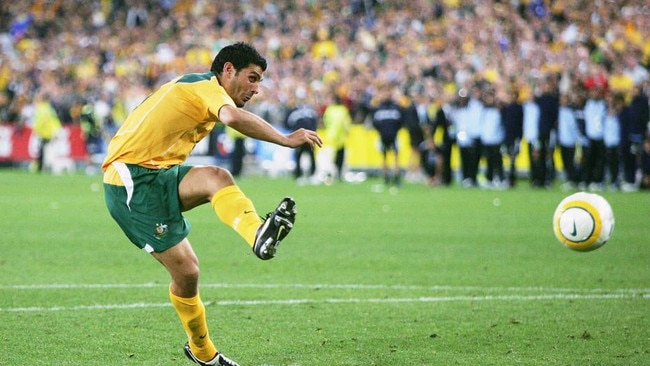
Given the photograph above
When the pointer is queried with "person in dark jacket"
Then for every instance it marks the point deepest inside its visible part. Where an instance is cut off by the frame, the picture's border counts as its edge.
(415, 116)
(388, 119)
(448, 139)
(634, 119)
(512, 116)
(549, 106)
(302, 115)
(436, 153)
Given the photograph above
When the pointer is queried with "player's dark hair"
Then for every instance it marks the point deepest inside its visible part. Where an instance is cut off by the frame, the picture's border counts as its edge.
(240, 54)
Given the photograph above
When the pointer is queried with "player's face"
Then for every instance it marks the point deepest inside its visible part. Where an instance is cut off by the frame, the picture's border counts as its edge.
(243, 84)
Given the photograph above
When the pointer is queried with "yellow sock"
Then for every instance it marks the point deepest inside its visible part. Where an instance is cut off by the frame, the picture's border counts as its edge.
(192, 314)
(237, 211)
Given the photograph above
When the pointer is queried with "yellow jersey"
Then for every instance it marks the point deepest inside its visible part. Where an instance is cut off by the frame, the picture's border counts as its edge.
(163, 130)
(337, 121)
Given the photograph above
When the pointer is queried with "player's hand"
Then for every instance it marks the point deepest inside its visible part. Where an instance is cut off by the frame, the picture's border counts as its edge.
(304, 136)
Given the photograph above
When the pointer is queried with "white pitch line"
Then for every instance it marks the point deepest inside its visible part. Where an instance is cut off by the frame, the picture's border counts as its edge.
(326, 286)
(340, 301)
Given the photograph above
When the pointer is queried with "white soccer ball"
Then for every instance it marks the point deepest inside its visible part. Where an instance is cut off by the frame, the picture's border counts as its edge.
(583, 221)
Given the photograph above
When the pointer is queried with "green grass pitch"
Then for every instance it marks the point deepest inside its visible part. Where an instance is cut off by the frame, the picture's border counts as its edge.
(443, 276)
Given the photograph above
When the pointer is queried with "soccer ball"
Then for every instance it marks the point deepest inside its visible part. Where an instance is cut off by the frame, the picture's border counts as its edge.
(583, 221)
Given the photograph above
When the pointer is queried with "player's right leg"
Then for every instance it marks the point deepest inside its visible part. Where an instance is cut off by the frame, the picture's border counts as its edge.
(139, 201)
(218, 360)
(183, 266)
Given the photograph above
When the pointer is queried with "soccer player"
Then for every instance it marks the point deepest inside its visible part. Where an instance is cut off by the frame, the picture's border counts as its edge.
(147, 186)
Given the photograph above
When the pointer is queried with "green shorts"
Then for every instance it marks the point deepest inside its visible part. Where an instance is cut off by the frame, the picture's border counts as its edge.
(147, 206)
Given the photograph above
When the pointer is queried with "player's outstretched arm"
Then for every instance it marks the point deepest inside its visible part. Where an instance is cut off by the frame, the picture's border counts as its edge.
(256, 127)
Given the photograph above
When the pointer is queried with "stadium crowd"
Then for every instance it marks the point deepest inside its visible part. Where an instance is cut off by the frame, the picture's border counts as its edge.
(481, 75)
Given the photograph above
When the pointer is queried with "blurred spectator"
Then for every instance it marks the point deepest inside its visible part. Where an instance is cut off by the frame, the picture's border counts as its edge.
(388, 119)
(578, 100)
(633, 69)
(640, 110)
(9, 107)
(337, 122)
(548, 102)
(492, 137)
(91, 128)
(531, 134)
(594, 153)
(238, 152)
(512, 115)
(415, 108)
(474, 129)
(645, 164)
(620, 82)
(568, 137)
(631, 139)
(442, 172)
(301, 114)
(612, 138)
(466, 118)
(46, 126)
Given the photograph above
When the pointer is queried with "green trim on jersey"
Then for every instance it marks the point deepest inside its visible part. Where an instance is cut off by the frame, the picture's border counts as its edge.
(195, 77)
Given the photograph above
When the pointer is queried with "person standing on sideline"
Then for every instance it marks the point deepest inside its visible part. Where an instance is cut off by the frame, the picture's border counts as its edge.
(466, 125)
(549, 106)
(568, 137)
(46, 125)
(415, 106)
(147, 186)
(512, 115)
(531, 134)
(612, 138)
(302, 115)
(595, 111)
(337, 121)
(578, 100)
(492, 137)
(388, 119)
(444, 147)
(634, 120)
(238, 152)
(475, 106)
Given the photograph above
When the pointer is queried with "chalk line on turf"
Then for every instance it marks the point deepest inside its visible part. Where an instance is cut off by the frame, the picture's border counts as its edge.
(520, 294)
